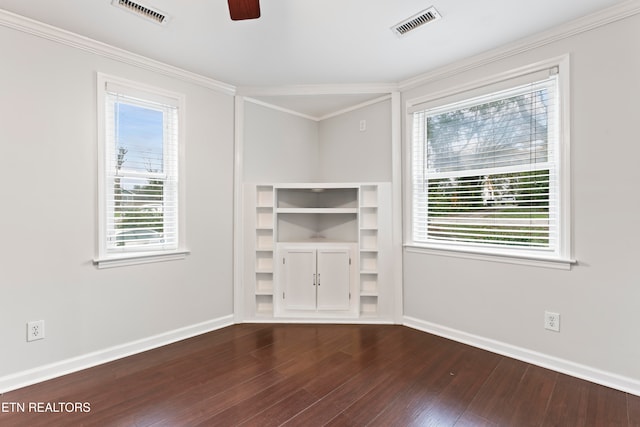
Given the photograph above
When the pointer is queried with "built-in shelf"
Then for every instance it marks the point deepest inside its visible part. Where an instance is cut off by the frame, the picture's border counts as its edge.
(368, 293)
(264, 305)
(368, 306)
(368, 284)
(264, 283)
(264, 239)
(264, 246)
(368, 218)
(369, 196)
(299, 214)
(369, 261)
(264, 218)
(317, 210)
(264, 196)
(368, 239)
(317, 198)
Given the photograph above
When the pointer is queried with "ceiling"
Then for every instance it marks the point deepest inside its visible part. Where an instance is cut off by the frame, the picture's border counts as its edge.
(308, 42)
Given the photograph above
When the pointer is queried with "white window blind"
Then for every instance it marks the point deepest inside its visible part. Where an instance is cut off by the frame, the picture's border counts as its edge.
(485, 170)
(141, 171)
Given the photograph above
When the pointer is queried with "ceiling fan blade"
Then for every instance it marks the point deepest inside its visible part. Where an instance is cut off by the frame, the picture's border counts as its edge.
(244, 9)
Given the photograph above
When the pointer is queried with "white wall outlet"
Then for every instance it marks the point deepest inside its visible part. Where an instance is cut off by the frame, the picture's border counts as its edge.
(552, 321)
(35, 330)
(363, 125)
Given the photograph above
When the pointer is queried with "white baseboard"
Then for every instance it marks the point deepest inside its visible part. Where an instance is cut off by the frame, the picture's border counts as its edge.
(57, 369)
(577, 370)
(311, 321)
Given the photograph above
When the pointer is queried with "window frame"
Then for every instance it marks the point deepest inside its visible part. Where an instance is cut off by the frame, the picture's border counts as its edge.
(105, 257)
(510, 79)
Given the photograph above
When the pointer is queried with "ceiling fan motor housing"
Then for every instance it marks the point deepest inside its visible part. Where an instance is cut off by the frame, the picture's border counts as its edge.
(244, 9)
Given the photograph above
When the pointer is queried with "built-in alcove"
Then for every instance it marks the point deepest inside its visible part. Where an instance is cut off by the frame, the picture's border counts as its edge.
(317, 186)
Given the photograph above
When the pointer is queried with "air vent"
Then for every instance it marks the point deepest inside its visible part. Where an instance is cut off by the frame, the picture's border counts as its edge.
(142, 11)
(417, 20)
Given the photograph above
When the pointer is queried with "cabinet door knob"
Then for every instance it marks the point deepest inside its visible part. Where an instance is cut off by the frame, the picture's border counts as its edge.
(314, 279)
(318, 279)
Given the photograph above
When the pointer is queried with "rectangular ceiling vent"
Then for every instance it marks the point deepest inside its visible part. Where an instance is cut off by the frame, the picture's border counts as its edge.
(417, 20)
(142, 11)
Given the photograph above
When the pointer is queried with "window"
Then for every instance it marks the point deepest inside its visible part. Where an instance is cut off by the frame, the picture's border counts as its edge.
(487, 169)
(139, 200)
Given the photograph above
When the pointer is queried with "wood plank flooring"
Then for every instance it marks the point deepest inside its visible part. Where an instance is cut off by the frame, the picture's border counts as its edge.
(316, 375)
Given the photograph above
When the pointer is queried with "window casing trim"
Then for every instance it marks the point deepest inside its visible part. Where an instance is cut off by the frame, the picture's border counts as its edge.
(527, 259)
(476, 88)
(105, 258)
(135, 258)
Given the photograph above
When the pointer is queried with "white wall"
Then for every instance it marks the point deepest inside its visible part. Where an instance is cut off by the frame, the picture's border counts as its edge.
(278, 146)
(599, 298)
(282, 147)
(350, 155)
(49, 182)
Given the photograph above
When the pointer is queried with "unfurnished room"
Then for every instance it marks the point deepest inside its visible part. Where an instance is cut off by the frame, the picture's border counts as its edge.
(319, 212)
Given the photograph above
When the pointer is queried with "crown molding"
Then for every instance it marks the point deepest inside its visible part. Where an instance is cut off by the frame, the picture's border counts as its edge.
(49, 32)
(281, 109)
(320, 118)
(384, 89)
(572, 28)
(355, 107)
(319, 89)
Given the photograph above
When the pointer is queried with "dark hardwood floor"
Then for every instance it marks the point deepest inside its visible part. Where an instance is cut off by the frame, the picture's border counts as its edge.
(315, 375)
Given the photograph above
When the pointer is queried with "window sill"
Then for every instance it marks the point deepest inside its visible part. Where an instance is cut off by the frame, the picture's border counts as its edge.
(122, 260)
(521, 259)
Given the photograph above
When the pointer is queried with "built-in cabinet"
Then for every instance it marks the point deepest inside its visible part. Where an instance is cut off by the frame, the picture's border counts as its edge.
(314, 278)
(319, 251)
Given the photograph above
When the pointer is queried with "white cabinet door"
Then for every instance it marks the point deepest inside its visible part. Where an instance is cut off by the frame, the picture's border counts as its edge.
(333, 279)
(315, 279)
(299, 279)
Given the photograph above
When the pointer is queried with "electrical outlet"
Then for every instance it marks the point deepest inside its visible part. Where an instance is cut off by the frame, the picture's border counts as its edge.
(35, 330)
(552, 321)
